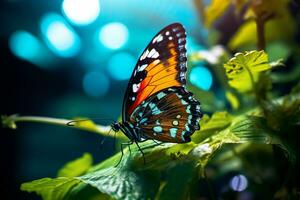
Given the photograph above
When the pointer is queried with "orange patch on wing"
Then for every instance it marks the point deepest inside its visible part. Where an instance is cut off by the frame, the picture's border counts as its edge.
(166, 85)
(141, 97)
(152, 65)
(145, 82)
(163, 79)
(160, 75)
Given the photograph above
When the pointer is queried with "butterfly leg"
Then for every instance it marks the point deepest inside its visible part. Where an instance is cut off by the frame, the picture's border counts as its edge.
(103, 139)
(140, 151)
(157, 143)
(122, 150)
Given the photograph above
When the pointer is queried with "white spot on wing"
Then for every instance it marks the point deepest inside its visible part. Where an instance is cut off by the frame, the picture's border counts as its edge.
(155, 55)
(141, 68)
(151, 53)
(170, 38)
(157, 38)
(135, 87)
(144, 55)
(167, 33)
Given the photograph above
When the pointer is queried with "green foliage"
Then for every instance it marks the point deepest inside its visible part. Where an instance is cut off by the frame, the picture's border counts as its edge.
(173, 171)
(166, 163)
(76, 167)
(243, 69)
(50, 189)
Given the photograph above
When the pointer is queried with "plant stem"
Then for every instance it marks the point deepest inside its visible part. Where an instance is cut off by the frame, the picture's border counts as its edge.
(10, 122)
(260, 30)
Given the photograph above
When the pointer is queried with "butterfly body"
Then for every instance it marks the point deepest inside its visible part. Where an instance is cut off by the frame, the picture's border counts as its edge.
(156, 104)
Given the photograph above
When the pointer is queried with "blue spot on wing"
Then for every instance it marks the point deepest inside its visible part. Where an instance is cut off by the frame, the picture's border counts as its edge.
(157, 129)
(173, 132)
(161, 95)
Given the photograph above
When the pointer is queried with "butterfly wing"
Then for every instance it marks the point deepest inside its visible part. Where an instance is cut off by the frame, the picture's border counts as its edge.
(171, 115)
(162, 65)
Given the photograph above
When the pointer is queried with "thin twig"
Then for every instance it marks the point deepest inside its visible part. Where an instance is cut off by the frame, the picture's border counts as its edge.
(10, 122)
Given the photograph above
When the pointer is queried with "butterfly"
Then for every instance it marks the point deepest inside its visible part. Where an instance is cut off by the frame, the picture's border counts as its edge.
(157, 104)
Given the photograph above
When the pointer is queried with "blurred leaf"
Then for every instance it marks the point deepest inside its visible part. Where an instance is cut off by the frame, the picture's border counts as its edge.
(213, 56)
(247, 35)
(291, 76)
(208, 99)
(233, 100)
(9, 121)
(244, 68)
(51, 189)
(269, 8)
(282, 115)
(277, 50)
(76, 167)
(216, 9)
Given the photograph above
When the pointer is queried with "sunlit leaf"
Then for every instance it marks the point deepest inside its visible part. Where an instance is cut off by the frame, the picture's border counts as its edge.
(244, 68)
(51, 189)
(209, 126)
(76, 167)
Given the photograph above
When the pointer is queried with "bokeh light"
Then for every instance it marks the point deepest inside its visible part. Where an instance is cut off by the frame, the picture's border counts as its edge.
(27, 47)
(95, 84)
(113, 35)
(239, 183)
(201, 77)
(81, 12)
(59, 36)
(24, 45)
(120, 66)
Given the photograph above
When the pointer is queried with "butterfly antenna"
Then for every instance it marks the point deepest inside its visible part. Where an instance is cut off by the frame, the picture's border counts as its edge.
(73, 122)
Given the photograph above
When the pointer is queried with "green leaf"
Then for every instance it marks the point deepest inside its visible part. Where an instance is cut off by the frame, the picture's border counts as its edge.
(125, 181)
(51, 189)
(255, 129)
(243, 69)
(252, 129)
(131, 179)
(76, 167)
(209, 126)
(206, 149)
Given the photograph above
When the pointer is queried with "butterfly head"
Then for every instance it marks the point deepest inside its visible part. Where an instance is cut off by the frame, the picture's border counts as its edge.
(116, 126)
(128, 129)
